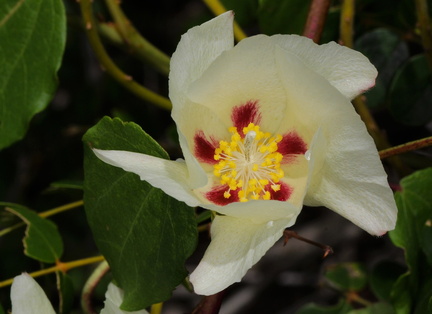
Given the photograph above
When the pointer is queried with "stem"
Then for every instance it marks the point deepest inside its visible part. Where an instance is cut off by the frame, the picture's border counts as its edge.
(133, 39)
(64, 267)
(347, 23)
(110, 66)
(424, 24)
(60, 209)
(316, 19)
(352, 296)
(91, 285)
(210, 304)
(407, 147)
(156, 308)
(217, 8)
(45, 214)
(288, 234)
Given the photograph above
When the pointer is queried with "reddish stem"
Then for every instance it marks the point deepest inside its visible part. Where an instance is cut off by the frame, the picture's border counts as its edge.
(316, 19)
(210, 304)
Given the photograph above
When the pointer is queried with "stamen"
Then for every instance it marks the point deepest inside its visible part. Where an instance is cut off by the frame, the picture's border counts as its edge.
(250, 164)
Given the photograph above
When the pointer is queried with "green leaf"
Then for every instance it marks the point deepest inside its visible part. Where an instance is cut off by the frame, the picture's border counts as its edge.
(1, 310)
(346, 276)
(384, 275)
(32, 37)
(42, 240)
(282, 17)
(411, 92)
(412, 234)
(145, 235)
(341, 308)
(387, 52)
(376, 308)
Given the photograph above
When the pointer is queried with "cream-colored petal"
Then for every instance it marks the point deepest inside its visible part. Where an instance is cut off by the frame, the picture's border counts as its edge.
(246, 73)
(258, 211)
(346, 69)
(199, 121)
(113, 300)
(236, 245)
(196, 50)
(172, 177)
(197, 175)
(351, 180)
(348, 175)
(28, 297)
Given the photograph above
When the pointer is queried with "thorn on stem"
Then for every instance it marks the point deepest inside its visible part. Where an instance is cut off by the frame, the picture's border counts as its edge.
(288, 234)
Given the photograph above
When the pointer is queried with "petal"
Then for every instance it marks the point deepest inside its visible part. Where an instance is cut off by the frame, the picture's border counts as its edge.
(197, 176)
(260, 211)
(351, 179)
(113, 300)
(235, 247)
(28, 297)
(244, 75)
(169, 176)
(346, 69)
(196, 50)
(348, 175)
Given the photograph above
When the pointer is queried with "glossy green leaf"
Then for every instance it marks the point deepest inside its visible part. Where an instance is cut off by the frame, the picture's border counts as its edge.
(32, 37)
(145, 235)
(415, 213)
(382, 278)
(42, 240)
(1, 310)
(346, 276)
(410, 99)
(387, 52)
(341, 308)
(376, 308)
(282, 17)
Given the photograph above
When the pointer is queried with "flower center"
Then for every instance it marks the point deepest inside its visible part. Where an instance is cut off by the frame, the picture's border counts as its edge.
(251, 164)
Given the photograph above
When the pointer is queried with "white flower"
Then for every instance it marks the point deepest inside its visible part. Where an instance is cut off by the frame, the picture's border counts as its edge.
(265, 127)
(113, 300)
(28, 298)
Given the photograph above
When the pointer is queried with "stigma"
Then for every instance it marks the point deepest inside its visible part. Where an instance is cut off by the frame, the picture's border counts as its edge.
(249, 163)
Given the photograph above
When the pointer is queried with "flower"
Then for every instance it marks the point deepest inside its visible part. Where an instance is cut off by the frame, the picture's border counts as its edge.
(28, 298)
(265, 126)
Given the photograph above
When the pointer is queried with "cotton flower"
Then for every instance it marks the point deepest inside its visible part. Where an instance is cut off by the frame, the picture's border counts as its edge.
(28, 298)
(265, 127)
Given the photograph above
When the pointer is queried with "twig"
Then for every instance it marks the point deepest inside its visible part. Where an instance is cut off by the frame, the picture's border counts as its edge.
(210, 304)
(133, 39)
(407, 147)
(110, 66)
(316, 19)
(288, 234)
(63, 267)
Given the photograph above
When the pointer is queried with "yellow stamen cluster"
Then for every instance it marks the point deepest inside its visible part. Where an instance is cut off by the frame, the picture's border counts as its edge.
(250, 163)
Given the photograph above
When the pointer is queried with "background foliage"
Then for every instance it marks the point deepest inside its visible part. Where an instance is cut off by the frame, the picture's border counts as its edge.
(53, 92)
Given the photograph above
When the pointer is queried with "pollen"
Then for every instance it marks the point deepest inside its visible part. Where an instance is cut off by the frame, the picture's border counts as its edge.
(249, 162)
